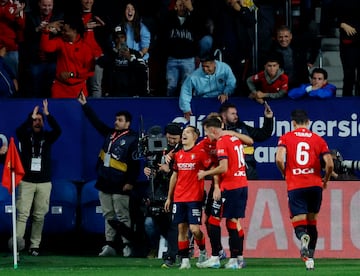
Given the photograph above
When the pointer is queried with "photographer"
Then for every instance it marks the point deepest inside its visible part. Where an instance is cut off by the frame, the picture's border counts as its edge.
(343, 169)
(157, 222)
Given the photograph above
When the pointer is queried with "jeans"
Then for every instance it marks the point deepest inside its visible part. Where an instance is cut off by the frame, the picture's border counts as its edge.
(176, 72)
(42, 76)
(95, 82)
(12, 60)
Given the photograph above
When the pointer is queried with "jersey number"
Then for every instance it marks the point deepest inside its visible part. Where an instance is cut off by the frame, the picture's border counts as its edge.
(240, 155)
(302, 153)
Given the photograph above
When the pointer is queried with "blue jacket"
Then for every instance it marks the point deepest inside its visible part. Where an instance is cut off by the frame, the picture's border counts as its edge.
(200, 84)
(327, 91)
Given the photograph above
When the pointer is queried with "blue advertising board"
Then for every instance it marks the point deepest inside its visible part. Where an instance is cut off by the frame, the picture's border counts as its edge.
(75, 153)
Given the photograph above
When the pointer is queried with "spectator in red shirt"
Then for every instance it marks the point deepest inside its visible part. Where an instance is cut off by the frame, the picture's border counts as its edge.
(75, 58)
(12, 23)
(271, 83)
(91, 22)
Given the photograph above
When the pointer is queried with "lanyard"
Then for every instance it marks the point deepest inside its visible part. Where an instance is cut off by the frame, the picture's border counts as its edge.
(114, 137)
(33, 147)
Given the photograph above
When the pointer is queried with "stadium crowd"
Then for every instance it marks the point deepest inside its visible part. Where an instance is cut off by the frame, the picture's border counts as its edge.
(163, 43)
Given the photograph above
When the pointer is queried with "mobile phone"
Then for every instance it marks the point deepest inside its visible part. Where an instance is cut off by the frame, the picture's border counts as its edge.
(267, 107)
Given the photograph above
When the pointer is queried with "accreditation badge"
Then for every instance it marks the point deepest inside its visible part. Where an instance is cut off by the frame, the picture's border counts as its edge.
(107, 160)
(35, 164)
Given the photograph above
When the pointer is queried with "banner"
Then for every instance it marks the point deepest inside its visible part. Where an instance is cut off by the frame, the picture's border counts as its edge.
(269, 232)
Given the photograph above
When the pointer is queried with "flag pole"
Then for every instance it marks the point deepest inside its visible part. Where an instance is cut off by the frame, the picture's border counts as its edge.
(14, 218)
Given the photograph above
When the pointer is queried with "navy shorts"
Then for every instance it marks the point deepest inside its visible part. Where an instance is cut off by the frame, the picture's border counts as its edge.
(189, 212)
(234, 203)
(305, 200)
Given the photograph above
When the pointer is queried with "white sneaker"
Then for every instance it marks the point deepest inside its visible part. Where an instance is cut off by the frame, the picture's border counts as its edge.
(241, 262)
(127, 251)
(232, 264)
(309, 263)
(107, 251)
(212, 262)
(185, 263)
(304, 251)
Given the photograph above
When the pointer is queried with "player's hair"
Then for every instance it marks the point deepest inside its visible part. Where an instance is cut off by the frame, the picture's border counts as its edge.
(212, 122)
(195, 130)
(299, 116)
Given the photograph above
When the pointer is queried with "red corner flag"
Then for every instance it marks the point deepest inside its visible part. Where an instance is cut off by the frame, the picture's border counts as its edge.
(12, 164)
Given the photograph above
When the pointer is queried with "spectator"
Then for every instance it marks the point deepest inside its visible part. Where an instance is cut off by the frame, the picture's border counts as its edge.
(179, 41)
(12, 23)
(271, 83)
(125, 68)
(317, 88)
(302, 150)
(75, 59)
(39, 65)
(3, 148)
(231, 120)
(8, 82)
(137, 38)
(34, 190)
(349, 23)
(117, 173)
(213, 79)
(234, 36)
(295, 58)
(156, 222)
(186, 193)
(91, 22)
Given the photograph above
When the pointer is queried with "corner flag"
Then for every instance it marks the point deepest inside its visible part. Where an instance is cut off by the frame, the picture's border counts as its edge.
(12, 164)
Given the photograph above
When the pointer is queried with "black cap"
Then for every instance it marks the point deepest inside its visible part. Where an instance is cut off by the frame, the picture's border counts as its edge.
(120, 30)
(173, 129)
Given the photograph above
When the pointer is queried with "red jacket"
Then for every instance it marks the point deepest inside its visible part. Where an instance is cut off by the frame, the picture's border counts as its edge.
(76, 57)
(11, 26)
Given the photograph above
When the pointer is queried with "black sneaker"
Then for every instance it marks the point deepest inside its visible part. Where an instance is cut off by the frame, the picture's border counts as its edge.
(34, 252)
(168, 263)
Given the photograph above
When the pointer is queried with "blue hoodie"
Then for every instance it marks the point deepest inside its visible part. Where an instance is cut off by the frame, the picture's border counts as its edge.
(200, 84)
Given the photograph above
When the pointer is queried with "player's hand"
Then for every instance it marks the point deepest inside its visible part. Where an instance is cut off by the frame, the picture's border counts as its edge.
(167, 205)
(216, 193)
(201, 174)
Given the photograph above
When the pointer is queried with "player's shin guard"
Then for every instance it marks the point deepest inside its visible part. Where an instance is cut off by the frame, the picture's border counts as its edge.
(214, 235)
(234, 239)
(184, 248)
(300, 228)
(313, 233)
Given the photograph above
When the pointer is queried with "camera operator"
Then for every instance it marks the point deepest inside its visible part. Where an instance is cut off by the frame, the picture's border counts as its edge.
(157, 222)
(343, 169)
